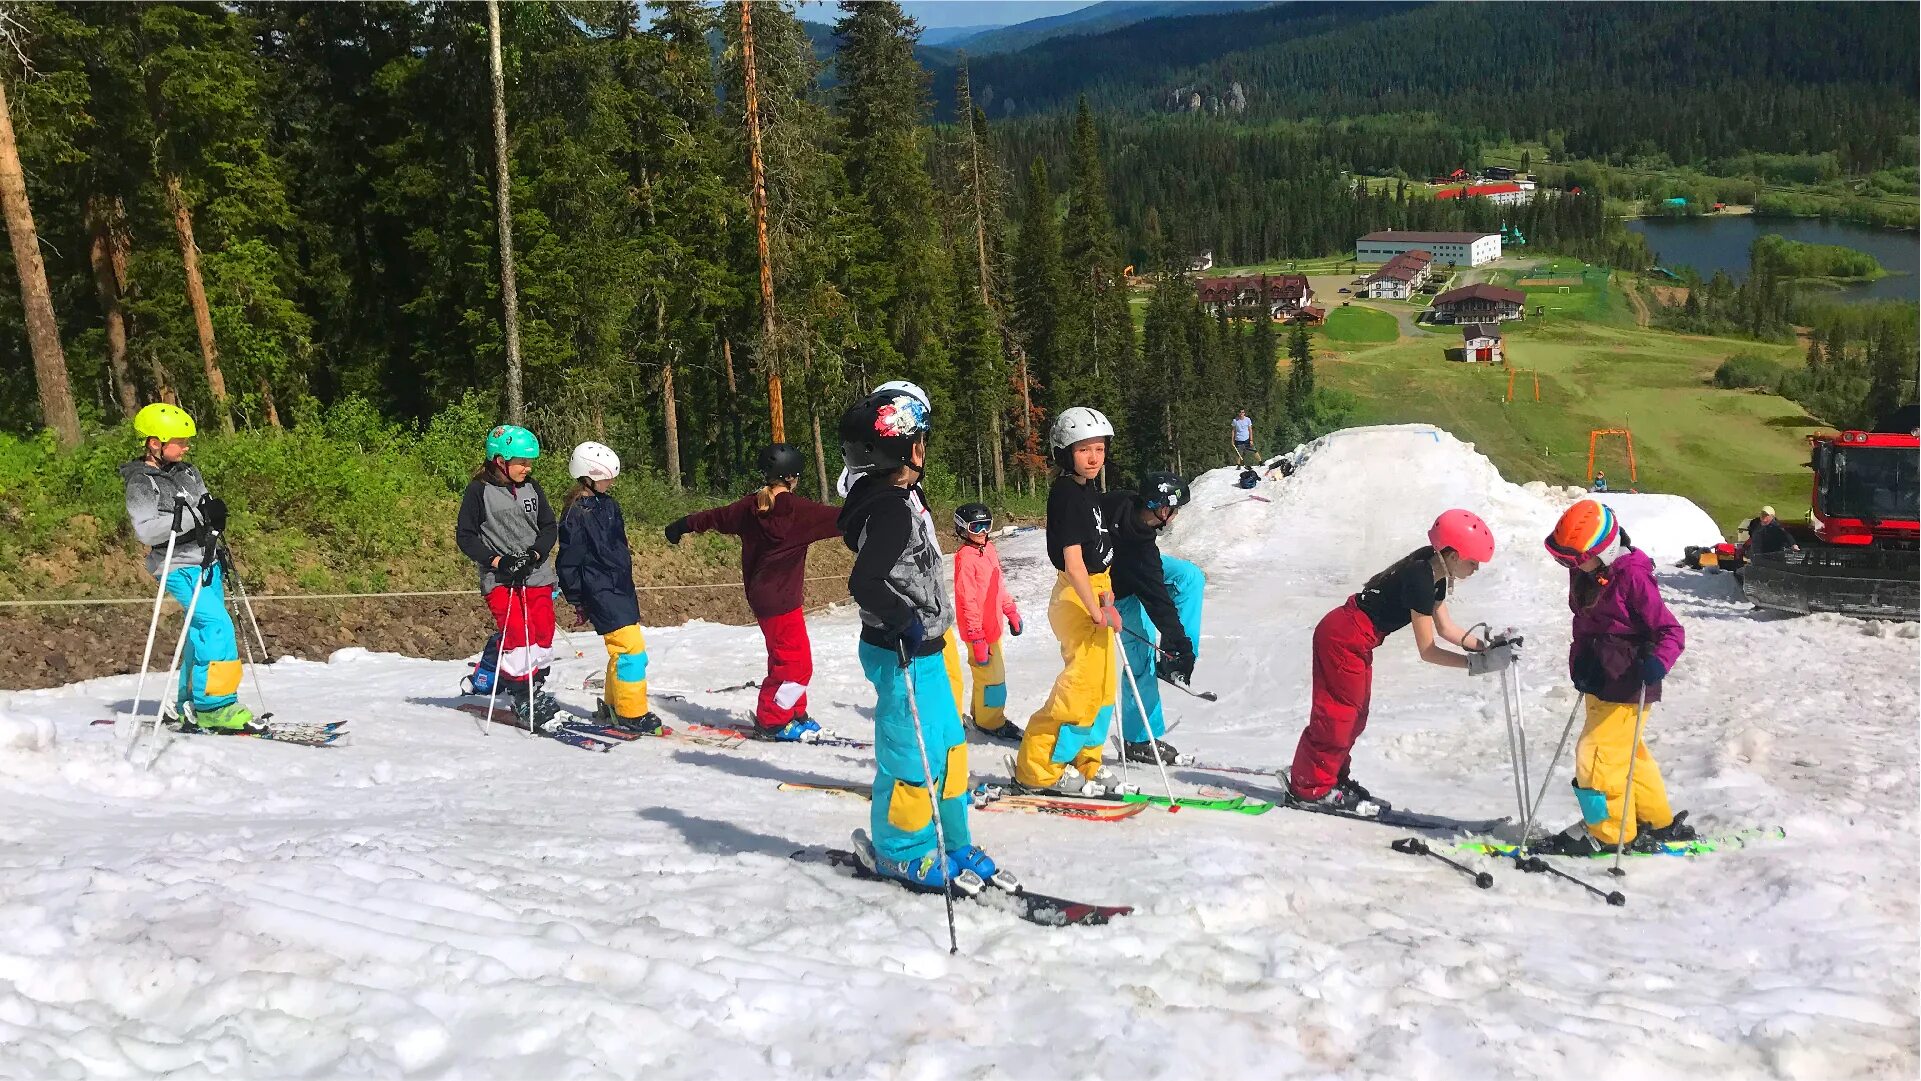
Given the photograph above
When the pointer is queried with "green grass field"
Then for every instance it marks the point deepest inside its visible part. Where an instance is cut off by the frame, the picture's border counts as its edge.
(1729, 451)
(1356, 325)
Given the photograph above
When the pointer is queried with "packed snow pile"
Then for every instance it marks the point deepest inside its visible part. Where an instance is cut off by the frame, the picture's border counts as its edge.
(1663, 526)
(432, 899)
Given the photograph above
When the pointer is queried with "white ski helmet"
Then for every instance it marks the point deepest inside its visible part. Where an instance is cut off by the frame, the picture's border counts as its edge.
(594, 461)
(908, 388)
(1078, 423)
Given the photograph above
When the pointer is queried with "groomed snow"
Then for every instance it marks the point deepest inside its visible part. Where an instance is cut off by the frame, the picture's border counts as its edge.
(430, 901)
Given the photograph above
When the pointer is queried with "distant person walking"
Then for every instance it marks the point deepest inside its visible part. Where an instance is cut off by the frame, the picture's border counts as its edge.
(1243, 437)
(1766, 535)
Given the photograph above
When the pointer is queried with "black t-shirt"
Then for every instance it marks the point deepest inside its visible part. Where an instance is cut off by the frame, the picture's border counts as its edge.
(1074, 517)
(1407, 586)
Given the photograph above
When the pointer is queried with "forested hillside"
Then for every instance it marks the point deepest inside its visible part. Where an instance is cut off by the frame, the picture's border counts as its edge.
(1693, 81)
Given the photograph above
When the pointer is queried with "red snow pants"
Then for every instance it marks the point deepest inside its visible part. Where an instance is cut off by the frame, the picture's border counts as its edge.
(1344, 644)
(525, 616)
(790, 667)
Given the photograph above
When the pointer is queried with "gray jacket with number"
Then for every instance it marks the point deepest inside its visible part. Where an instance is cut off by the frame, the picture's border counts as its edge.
(152, 492)
(501, 519)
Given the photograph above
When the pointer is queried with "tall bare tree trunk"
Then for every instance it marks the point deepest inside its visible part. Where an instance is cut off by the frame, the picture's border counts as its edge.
(820, 458)
(197, 297)
(106, 253)
(669, 418)
(43, 330)
(504, 211)
(266, 403)
(757, 167)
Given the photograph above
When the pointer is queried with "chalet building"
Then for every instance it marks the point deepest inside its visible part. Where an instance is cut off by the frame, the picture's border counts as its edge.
(1400, 276)
(1283, 295)
(1199, 263)
(1479, 304)
(1461, 249)
(1481, 343)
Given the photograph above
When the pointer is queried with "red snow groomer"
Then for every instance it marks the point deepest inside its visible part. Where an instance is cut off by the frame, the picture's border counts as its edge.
(1865, 559)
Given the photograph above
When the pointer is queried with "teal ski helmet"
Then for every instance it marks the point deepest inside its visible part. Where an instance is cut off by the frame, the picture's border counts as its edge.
(512, 441)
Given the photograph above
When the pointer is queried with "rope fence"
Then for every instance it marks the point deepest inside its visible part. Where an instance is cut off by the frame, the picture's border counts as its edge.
(81, 601)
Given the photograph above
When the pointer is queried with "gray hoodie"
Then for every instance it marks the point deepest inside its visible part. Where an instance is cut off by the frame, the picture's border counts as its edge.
(152, 492)
(500, 519)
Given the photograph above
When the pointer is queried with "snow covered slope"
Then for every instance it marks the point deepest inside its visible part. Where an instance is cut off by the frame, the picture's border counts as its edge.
(432, 901)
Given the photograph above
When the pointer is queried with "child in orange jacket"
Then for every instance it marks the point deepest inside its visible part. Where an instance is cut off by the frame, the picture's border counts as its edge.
(981, 601)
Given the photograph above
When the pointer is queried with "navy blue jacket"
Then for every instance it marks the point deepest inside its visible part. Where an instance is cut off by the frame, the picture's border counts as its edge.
(595, 565)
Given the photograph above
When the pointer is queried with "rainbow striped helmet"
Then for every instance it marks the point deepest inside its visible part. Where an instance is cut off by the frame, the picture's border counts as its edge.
(1587, 529)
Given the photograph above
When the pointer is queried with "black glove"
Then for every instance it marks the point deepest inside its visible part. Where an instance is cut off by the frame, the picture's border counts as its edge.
(513, 569)
(908, 639)
(675, 530)
(213, 513)
(1176, 665)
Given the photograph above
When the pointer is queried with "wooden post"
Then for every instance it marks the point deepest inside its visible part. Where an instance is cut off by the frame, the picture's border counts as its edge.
(776, 411)
(504, 214)
(43, 329)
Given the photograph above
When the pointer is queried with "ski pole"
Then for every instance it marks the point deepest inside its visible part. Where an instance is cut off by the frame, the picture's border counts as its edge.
(927, 778)
(1513, 751)
(159, 702)
(159, 593)
(1627, 798)
(253, 622)
(493, 689)
(1520, 736)
(1414, 846)
(1537, 865)
(1527, 828)
(1133, 685)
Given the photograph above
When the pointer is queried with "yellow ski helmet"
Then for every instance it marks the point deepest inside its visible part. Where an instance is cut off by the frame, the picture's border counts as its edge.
(163, 421)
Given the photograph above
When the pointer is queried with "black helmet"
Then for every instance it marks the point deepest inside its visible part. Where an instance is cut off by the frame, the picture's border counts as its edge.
(970, 515)
(779, 460)
(1164, 490)
(879, 433)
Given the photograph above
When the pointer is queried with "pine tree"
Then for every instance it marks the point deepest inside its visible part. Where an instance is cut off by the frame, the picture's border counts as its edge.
(1099, 343)
(1040, 286)
(1300, 385)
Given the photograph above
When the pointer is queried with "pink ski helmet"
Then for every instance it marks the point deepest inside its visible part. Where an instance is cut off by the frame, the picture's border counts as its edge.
(1463, 531)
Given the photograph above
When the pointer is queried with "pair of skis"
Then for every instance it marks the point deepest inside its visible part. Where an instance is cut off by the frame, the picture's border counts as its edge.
(1035, 908)
(1000, 801)
(591, 736)
(298, 733)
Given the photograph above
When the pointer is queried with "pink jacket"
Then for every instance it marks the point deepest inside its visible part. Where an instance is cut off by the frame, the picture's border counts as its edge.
(980, 594)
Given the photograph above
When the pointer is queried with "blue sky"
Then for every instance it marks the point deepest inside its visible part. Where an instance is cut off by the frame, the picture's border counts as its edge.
(933, 13)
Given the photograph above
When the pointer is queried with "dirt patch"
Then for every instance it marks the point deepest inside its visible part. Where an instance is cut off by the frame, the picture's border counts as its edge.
(1670, 295)
(1546, 283)
(53, 646)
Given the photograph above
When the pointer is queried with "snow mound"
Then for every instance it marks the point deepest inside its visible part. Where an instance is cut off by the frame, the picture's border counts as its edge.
(23, 732)
(1663, 526)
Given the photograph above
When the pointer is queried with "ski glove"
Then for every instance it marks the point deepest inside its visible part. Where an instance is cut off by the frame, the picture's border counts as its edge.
(980, 653)
(1014, 624)
(513, 569)
(675, 530)
(1652, 670)
(908, 639)
(1175, 665)
(213, 513)
(1494, 657)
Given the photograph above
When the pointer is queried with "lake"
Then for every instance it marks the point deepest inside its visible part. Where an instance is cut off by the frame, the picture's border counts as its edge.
(1711, 243)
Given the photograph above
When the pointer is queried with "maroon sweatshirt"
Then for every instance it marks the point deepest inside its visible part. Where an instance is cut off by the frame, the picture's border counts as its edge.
(773, 546)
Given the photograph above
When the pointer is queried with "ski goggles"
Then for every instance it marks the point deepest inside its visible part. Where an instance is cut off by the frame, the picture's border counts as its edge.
(977, 528)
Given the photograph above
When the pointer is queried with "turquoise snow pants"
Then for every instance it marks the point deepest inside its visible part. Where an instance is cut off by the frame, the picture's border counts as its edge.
(1185, 583)
(904, 801)
(210, 661)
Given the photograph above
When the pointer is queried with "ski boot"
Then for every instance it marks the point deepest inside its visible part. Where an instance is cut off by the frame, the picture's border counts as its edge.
(1111, 782)
(798, 730)
(1339, 799)
(230, 718)
(1574, 841)
(647, 724)
(1358, 791)
(1144, 752)
(1675, 832)
(1008, 732)
(537, 711)
(931, 873)
(973, 859)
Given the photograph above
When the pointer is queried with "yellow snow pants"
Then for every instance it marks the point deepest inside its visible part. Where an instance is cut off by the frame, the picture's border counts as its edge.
(1601, 774)
(950, 658)
(626, 686)
(1071, 726)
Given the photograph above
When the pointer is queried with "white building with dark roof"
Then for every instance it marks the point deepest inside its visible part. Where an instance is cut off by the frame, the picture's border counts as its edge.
(1461, 249)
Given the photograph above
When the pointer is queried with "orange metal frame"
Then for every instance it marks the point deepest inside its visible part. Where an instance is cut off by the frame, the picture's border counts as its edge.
(1532, 374)
(1595, 436)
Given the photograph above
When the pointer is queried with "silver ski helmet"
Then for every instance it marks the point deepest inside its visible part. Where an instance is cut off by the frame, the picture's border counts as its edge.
(878, 434)
(1072, 426)
(593, 461)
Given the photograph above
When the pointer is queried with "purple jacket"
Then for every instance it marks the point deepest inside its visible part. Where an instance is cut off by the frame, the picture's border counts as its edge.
(1618, 619)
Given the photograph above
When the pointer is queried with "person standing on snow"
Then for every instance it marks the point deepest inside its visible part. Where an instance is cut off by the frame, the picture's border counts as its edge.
(507, 527)
(1061, 751)
(920, 794)
(1159, 599)
(775, 526)
(1766, 535)
(596, 569)
(1243, 426)
(165, 498)
(1625, 643)
(981, 601)
(1414, 591)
